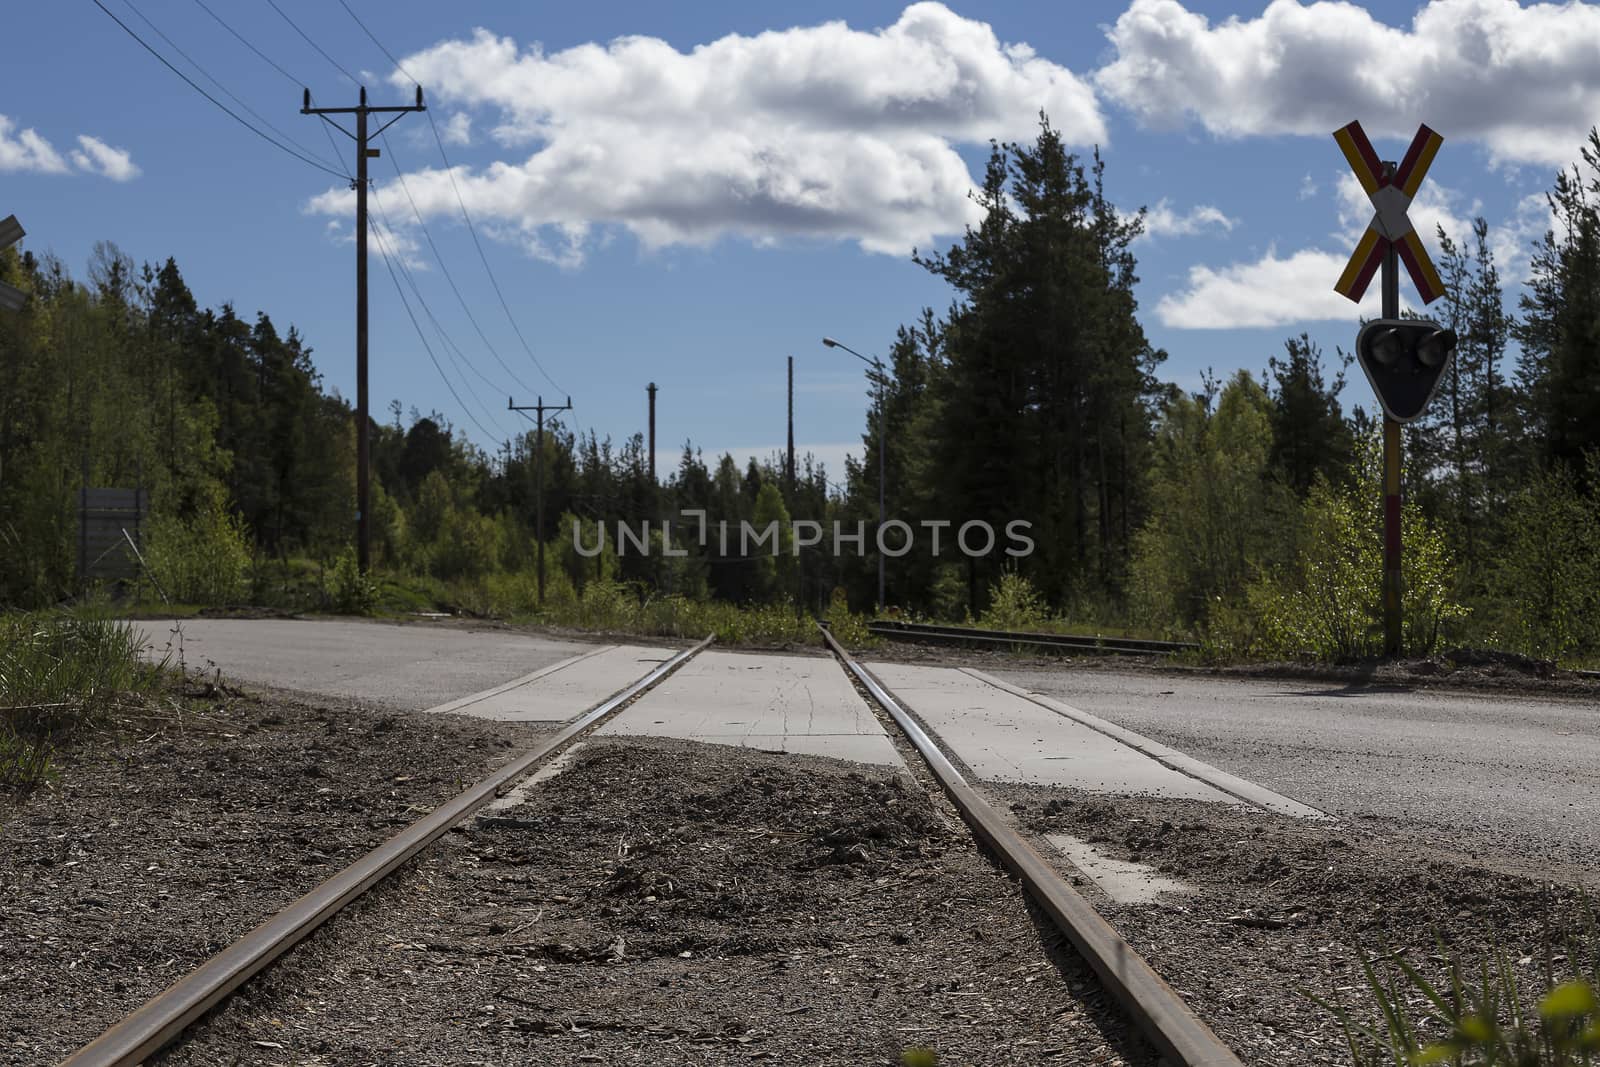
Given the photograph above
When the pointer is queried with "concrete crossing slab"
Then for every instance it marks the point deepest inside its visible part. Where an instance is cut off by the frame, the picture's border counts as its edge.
(563, 690)
(1004, 737)
(799, 704)
(402, 665)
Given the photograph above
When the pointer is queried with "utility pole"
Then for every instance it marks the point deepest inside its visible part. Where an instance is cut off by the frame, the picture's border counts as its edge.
(538, 483)
(11, 298)
(651, 389)
(799, 568)
(363, 440)
(880, 377)
(790, 470)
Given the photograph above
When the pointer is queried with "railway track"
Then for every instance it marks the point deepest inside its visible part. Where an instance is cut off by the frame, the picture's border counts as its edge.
(162, 1018)
(973, 637)
(1175, 1031)
(1154, 1008)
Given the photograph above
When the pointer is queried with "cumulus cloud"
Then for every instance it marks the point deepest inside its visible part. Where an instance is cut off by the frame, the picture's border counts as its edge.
(97, 157)
(402, 245)
(823, 131)
(1510, 239)
(1523, 81)
(25, 150)
(1162, 221)
(1277, 290)
(457, 129)
(1272, 291)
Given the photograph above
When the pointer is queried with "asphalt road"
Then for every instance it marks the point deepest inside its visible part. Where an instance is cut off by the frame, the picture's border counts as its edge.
(1495, 776)
(409, 667)
(1509, 779)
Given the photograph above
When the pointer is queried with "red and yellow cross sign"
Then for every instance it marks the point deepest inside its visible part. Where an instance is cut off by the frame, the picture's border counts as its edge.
(1391, 196)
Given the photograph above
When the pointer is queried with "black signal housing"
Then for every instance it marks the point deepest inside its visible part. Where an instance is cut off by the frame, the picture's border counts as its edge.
(1404, 361)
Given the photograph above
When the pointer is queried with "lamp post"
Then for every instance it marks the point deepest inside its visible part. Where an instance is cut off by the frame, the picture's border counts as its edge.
(883, 446)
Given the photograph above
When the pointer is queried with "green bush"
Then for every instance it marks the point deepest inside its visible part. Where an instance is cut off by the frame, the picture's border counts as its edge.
(351, 592)
(1014, 604)
(849, 629)
(201, 560)
(1546, 583)
(1329, 602)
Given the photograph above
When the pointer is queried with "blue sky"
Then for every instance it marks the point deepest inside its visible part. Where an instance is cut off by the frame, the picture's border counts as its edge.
(686, 194)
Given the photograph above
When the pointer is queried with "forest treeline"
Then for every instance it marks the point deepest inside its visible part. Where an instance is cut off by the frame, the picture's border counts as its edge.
(1245, 513)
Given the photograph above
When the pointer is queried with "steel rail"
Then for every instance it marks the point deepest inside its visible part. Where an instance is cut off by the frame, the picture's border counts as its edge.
(1175, 1031)
(968, 635)
(167, 1014)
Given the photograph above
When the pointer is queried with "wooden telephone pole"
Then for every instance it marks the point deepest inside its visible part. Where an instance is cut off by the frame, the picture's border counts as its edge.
(363, 441)
(538, 485)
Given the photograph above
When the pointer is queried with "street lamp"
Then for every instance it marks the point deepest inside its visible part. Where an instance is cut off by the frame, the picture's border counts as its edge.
(883, 446)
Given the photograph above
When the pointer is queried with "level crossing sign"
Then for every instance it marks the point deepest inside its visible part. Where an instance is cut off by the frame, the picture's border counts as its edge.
(1391, 194)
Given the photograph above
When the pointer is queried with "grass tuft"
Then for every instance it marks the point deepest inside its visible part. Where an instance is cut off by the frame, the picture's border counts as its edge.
(1492, 1017)
(60, 673)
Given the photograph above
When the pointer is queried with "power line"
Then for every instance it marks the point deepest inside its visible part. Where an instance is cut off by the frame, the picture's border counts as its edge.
(351, 12)
(420, 337)
(449, 171)
(275, 65)
(444, 336)
(229, 93)
(220, 105)
(466, 217)
(406, 273)
(448, 342)
(400, 174)
(305, 37)
(268, 59)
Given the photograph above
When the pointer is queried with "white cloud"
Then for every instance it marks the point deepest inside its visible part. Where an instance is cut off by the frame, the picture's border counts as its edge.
(1272, 291)
(823, 132)
(1308, 187)
(1510, 239)
(1523, 81)
(402, 245)
(1162, 221)
(457, 129)
(27, 151)
(97, 157)
(1276, 291)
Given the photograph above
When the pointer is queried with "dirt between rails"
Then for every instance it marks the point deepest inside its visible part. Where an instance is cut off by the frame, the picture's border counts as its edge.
(161, 841)
(1279, 907)
(670, 903)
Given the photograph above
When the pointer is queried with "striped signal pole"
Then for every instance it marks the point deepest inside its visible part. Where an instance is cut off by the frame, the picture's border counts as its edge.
(1389, 239)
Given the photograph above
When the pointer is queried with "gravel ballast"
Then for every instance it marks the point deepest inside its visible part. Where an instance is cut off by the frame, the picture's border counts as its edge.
(1280, 908)
(171, 834)
(665, 902)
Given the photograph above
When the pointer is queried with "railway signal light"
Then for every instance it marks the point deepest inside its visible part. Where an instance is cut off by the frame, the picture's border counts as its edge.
(1404, 360)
